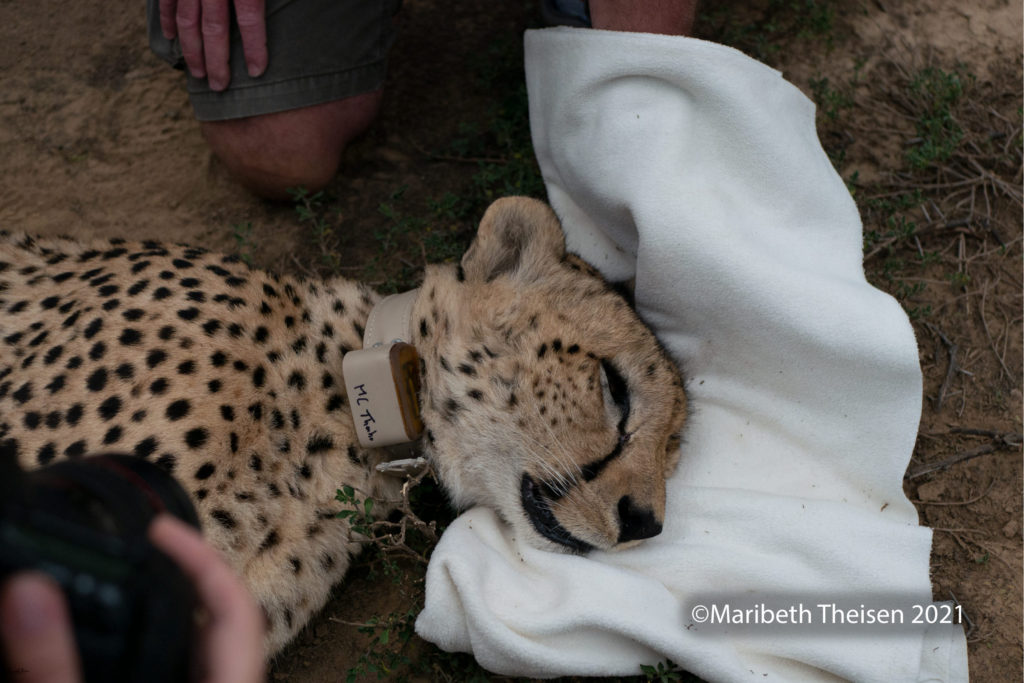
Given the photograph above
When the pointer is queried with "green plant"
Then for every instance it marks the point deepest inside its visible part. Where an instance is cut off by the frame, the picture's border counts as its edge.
(359, 513)
(936, 93)
(311, 208)
(831, 101)
(242, 232)
(662, 672)
(763, 31)
(385, 655)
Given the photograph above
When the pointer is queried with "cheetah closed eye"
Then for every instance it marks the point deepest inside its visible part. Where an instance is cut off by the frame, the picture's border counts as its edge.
(543, 395)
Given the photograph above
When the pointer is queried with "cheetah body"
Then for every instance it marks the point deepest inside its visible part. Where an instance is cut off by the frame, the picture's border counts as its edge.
(544, 396)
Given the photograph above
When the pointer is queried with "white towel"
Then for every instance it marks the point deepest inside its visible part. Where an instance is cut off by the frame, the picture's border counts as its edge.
(698, 171)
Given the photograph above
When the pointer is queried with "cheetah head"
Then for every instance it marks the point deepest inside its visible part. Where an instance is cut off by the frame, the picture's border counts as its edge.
(545, 395)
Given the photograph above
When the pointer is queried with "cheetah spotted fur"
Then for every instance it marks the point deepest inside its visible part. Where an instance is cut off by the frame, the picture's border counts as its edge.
(544, 396)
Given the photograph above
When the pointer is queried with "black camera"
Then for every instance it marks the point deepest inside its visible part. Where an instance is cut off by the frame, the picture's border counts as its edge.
(83, 522)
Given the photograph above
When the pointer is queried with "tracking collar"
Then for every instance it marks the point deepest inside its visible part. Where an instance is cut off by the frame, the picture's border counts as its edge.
(383, 378)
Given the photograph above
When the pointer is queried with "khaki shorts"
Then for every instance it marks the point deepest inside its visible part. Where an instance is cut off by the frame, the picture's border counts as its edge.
(319, 51)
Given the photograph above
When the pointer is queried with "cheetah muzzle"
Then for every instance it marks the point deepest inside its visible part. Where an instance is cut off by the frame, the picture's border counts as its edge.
(543, 395)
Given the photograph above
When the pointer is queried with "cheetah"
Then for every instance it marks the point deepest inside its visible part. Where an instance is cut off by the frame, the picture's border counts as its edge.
(541, 393)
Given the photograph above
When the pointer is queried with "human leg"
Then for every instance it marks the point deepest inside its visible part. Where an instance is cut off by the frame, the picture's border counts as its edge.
(671, 17)
(272, 153)
(322, 87)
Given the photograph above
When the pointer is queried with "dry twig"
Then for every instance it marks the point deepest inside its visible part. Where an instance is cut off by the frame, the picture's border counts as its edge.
(1000, 442)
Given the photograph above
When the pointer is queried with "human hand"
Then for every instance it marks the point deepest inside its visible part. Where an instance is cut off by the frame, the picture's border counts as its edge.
(36, 628)
(203, 28)
(36, 631)
(231, 639)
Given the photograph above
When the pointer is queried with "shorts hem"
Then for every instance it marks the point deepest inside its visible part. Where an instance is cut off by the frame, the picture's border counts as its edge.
(270, 98)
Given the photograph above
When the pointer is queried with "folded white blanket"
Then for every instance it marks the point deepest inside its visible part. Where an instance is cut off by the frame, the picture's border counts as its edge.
(698, 171)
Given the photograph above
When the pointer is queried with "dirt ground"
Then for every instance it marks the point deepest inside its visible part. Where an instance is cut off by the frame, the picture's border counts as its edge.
(97, 138)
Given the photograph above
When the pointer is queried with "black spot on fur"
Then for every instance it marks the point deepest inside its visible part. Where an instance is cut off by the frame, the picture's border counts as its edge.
(158, 386)
(214, 385)
(56, 384)
(75, 449)
(186, 367)
(24, 393)
(146, 447)
(196, 438)
(52, 355)
(269, 541)
(451, 409)
(97, 380)
(130, 337)
(92, 328)
(189, 313)
(297, 380)
(178, 409)
(205, 471)
(224, 518)
(46, 453)
(155, 357)
(228, 413)
(113, 435)
(109, 409)
(319, 443)
(97, 351)
(138, 287)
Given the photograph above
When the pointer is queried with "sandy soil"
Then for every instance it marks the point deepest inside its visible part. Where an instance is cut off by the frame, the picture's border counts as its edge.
(97, 138)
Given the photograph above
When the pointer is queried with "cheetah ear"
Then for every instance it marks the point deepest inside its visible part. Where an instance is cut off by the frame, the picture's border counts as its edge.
(518, 236)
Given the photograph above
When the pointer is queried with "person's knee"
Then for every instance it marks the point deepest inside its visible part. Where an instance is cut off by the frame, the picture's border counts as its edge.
(273, 153)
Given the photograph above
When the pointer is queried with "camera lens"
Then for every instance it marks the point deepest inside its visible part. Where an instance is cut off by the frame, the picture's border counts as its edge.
(85, 523)
(113, 493)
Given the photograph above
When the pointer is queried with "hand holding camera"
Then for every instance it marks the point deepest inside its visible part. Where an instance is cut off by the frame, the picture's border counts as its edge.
(36, 629)
(102, 580)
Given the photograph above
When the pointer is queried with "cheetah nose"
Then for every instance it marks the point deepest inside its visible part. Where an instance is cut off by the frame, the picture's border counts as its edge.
(636, 523)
